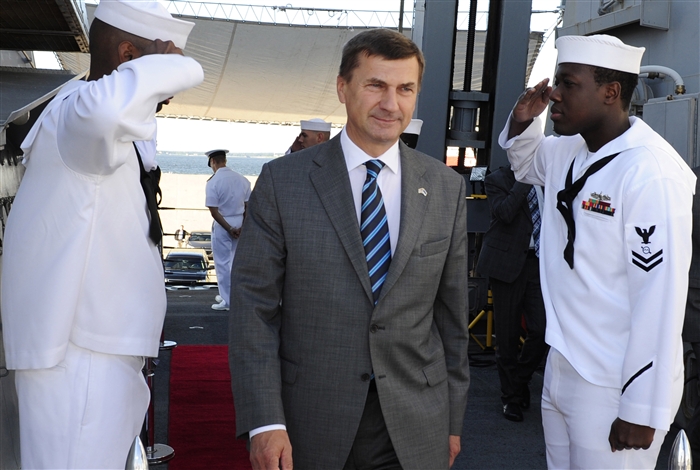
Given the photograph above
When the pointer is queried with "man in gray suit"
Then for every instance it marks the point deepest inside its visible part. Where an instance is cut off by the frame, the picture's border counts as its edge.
(510, 258)
(348, 333)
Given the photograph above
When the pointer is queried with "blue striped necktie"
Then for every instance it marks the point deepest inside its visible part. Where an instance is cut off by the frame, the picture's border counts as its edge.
(374, 228)
(536, 219)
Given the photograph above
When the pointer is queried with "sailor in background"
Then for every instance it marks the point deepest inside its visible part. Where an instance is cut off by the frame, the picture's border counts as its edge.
(615, 253)
(410, 135)
(227, 194)
(313, 132)
(83, 299)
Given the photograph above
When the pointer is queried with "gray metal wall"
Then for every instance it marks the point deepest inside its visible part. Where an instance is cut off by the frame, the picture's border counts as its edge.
(669, 32)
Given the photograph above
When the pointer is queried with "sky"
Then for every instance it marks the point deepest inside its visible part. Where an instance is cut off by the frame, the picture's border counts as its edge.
(200, 136)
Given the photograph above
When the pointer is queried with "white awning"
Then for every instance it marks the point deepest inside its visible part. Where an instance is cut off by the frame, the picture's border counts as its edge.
(271, 73)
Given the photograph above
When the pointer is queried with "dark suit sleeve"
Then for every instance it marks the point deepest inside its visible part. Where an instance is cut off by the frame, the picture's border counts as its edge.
(256, 286)
(506, 196)
(695, 259)
(691, 325)
(451, 316)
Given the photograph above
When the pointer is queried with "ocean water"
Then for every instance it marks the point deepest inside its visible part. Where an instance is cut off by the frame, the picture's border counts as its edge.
(197, 164)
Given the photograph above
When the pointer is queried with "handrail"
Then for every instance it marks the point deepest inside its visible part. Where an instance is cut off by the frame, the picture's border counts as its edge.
(300, 16)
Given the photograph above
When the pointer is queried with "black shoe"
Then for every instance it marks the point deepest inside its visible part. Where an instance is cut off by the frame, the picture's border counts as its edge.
(525, 400)
(512, 412)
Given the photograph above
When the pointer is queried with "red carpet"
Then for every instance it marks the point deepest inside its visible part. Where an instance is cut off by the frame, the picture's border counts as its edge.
(202, 419)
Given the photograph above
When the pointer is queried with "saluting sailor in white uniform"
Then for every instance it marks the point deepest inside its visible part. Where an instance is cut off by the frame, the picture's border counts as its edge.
(83, 297)
(313, 132)
(227, 194)
(615, 252)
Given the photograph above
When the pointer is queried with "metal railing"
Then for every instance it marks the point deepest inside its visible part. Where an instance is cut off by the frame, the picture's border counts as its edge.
(308, 17)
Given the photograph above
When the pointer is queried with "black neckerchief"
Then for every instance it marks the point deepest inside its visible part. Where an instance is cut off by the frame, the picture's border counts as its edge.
(150, 183)
(565, 199)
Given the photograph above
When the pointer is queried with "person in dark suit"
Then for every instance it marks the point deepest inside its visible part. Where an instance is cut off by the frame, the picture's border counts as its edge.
(691, 323)
(509, 258)
(340, 358)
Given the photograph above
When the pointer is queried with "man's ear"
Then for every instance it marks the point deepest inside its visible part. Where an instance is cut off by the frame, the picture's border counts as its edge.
(612, 92)
(127, 51)
(340, 88)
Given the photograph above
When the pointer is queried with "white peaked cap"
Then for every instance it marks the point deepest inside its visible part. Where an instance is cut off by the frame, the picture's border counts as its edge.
(316, 124)
(144, 18)
(216, 153)
(414, 127)
(600, 50)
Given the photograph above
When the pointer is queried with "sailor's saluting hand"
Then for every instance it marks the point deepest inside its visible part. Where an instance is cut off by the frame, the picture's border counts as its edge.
(162, 47)
(531, 103)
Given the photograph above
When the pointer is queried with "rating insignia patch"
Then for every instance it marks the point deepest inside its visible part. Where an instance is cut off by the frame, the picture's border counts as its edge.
(645, 233)
(648, 263)
(599, 203)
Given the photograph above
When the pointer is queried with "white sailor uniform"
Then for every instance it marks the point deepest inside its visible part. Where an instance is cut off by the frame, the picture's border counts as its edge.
(615, 319)
(80, 273)
(228, 191)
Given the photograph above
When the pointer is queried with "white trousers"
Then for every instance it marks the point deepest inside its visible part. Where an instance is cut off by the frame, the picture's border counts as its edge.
(223, 247)
(577, 415)
(84, 413)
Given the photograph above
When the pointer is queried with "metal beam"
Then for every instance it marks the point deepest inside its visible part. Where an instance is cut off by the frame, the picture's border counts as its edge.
(435, 35)
(37, 32)
(504, 79)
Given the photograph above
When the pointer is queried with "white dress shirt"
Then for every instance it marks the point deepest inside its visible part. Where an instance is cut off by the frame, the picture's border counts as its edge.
(389, 181)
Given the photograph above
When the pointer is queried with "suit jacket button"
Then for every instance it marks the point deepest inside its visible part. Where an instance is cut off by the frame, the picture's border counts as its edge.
(365, 377)
(373, 328)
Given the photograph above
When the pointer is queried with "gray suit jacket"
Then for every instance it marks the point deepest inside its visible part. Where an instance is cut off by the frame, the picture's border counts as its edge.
(507, 240)
(304, 334)
(691, 325)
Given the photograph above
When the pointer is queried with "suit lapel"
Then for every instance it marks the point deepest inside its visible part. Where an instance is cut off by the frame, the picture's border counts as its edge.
(332, 184)
(413, 208)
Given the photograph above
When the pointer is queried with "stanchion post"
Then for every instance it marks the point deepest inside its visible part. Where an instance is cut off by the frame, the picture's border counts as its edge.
(155, 453)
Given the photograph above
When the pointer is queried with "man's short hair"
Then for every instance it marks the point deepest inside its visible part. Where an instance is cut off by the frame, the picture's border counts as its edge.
(385, 43)
(104, 38)
(628, 82)
(219, 158)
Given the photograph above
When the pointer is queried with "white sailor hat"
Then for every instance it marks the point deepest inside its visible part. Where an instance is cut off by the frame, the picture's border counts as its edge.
(144, 18)
(599, 50)
(315, 124)
(215, 153)
(414, 127)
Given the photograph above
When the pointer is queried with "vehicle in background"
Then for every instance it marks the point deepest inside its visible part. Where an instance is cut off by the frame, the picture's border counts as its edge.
(186, 267)
(201, 240)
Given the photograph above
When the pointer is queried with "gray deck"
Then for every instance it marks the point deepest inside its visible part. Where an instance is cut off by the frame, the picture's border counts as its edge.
(488, 442)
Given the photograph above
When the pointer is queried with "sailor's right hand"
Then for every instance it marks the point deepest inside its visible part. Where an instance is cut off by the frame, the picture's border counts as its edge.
(271, 450)
(162, 47)
(532, 102)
